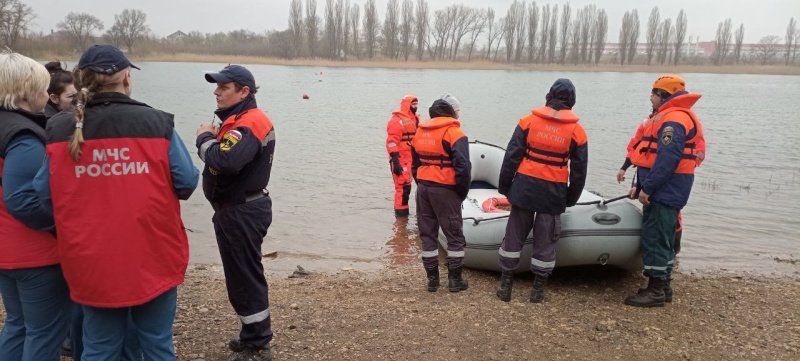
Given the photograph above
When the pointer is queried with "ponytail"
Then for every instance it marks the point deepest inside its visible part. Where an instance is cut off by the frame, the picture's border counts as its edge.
(89, 83)
(78, 113)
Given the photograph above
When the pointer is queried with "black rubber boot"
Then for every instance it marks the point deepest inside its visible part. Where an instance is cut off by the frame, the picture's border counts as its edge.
(537, 292)
(667, 291)
(433, 279)
(652, 296)
(401, 212)
(454, 281)
(506, 284)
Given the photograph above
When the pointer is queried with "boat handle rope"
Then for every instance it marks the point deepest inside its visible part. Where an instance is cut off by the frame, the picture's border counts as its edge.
(600, 202)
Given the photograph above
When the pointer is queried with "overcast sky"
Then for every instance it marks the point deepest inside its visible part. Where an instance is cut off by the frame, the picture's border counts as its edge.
(760, 17)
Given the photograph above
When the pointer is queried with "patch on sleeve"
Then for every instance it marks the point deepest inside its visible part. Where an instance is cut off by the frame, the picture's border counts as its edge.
(666, 135)
(229, 140)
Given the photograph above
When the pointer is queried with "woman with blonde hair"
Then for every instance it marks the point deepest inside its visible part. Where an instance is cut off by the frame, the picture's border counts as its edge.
(32, 285)
(115, 171)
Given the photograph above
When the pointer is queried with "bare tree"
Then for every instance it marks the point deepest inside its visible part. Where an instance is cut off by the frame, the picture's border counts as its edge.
(575, 36)
(463, 18)
(478, 25)
(15, 17)
(510, 29)
(664, 36)
(737, 46)
(520, 31)
(588, 20)
(421, 28)
(791, 33)
(346, 28)
(601, 34)
(501, 24)
(492, 31)
(79, 27)
(533, 26)
(566, 15)
(391, 28)
(633, 42)
(132, 24)
(312, 27)
(407, 28)
(723, 41)
(552, 39)
(341, 24)
(296, 25)
(114, 35)
(545, 33)
(355, 22)
(766, 49)
(330, 27)
(653, 27)
(371, 27)
(625, 37)
(680, 34)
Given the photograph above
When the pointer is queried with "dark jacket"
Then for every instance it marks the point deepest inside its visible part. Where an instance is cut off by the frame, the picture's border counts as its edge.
(539, 195)
(238, 162)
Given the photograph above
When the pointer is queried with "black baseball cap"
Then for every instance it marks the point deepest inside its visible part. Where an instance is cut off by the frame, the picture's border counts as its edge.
(234, 73)
(104, 59)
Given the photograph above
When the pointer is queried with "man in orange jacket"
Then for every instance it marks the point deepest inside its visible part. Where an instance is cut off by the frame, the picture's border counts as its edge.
(400, 130)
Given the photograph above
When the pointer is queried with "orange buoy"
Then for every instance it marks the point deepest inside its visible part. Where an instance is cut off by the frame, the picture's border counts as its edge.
(490, 205)
(305, 96)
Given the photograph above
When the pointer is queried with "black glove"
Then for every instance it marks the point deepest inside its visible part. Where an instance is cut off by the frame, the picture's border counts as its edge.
(397, 168)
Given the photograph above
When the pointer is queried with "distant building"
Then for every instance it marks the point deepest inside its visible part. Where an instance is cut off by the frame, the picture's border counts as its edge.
(176, 36)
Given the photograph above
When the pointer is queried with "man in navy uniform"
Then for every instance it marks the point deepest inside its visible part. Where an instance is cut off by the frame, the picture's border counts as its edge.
(238, 161)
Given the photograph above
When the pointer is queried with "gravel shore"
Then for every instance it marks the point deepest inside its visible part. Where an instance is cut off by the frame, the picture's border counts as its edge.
(388, 315)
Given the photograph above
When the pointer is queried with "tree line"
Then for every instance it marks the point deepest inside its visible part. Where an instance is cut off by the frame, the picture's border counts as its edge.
(342, 30)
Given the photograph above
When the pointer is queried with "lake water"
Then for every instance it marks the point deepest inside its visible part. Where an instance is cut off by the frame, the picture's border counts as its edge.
(332, 190)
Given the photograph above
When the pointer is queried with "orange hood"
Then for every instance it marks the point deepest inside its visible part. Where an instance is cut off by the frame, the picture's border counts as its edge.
(685, 101)
(438, 122)
(563, 116)
(405, 107)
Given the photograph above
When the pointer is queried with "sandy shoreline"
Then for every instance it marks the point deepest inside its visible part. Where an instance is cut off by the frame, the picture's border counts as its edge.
(459, 65)
(388, 315)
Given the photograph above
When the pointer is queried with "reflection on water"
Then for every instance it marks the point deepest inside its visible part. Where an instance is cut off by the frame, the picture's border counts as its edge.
(332, 192)
(404, 246)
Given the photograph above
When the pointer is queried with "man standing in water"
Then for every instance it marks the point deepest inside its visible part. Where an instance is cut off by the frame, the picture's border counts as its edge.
(238, 162)
(666, 159)
(442, 169)
(539, 185)
(400, 130)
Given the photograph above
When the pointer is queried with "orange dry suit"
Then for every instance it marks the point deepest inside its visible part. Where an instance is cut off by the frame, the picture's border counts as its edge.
(400, 131)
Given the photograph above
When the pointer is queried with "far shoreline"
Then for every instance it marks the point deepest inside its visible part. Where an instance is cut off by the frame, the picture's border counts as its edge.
(383, 63)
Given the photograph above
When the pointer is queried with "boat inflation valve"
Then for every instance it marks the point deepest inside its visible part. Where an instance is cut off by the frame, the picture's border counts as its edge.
(603, 259)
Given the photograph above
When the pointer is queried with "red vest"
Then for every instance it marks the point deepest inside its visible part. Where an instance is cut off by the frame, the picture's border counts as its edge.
(550, 135)
(20, 246)
(120, 234)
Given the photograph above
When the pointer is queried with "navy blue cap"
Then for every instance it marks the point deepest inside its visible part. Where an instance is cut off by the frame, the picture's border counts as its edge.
(104, 59)
(234, 73)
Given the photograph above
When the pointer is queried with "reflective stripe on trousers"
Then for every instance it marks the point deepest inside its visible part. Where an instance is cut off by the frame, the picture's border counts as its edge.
(440, 207)
(546, 229)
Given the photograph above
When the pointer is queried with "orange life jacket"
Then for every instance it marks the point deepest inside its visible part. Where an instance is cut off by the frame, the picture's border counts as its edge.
(436, 165)
(645, 154)
(401, 128)
(550, 134)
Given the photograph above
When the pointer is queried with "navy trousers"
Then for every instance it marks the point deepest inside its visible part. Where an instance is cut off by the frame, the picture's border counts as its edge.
(240, 231)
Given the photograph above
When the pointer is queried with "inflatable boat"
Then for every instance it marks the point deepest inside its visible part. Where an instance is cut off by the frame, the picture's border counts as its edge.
(594, 231)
